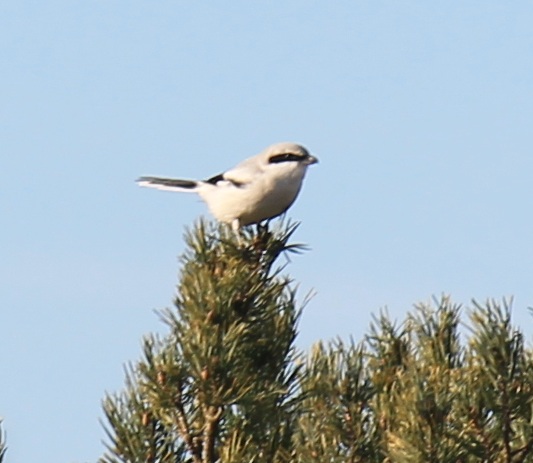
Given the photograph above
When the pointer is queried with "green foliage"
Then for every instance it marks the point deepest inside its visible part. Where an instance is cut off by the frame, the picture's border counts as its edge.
(335, 422)
(412, 393)
(3, 447)
(226, 384)
(222, 384)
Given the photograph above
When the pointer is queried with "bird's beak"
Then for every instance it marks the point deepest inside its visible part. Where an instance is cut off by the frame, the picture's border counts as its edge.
(311, 160)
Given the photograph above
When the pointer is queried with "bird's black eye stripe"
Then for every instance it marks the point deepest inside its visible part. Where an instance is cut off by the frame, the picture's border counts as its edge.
(285, 157)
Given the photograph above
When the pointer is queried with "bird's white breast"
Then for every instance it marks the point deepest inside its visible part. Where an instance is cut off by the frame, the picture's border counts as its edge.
(268, 195)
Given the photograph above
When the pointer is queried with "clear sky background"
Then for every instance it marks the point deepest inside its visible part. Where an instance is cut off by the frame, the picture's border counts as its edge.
(421, 114)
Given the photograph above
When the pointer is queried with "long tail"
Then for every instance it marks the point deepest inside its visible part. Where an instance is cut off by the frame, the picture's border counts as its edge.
(169, 184)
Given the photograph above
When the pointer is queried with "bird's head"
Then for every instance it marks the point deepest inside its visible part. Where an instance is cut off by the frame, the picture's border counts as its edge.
(288, 154)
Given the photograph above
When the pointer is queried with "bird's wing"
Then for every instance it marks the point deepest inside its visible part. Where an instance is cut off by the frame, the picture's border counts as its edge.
(239, 175)
(243, 173)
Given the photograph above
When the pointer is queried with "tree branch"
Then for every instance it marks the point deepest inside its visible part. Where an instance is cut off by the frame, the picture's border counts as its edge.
(185, 431)
(213, 416)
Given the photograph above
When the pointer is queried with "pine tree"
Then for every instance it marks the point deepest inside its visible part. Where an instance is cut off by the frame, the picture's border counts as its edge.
(227, 385)
(412, 393)
(222, 385)
(2, 444)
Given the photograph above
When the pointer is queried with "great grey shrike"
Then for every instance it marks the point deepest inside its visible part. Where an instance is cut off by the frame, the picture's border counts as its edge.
(259, 188)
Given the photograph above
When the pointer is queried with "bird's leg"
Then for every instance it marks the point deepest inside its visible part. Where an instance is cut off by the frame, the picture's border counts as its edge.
(236, 227)
(262, 227)
(262, 235)
(261, 231)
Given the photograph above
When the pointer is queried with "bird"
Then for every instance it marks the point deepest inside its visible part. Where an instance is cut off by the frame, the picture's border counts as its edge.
(257, 189)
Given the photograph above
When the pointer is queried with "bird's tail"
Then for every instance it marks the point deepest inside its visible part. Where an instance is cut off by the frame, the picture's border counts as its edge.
(169, 184)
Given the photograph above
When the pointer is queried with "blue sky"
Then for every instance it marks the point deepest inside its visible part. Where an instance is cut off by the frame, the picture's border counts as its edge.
(420, 113)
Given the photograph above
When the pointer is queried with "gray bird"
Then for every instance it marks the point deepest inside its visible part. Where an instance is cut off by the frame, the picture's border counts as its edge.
(259, 188)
